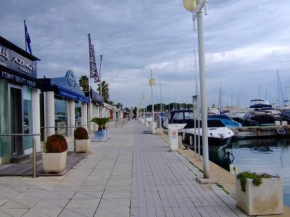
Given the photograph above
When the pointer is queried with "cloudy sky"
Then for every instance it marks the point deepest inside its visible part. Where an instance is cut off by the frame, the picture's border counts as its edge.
(246, 42)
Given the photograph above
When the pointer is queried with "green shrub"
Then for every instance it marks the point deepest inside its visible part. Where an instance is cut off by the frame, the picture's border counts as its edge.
(257, 179)
(106, 120)
(99, 122)
(81, 133)
(55, 144)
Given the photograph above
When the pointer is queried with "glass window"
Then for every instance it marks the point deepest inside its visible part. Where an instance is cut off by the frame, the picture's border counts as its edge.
(27, 116)
(60, 116)
(78, 111)
(178, 116)
(188, 115)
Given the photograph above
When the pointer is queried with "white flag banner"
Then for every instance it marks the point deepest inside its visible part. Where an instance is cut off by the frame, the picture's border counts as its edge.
(93, 66)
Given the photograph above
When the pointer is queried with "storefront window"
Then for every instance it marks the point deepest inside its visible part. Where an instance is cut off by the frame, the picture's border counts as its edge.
(27, 117)
(78, 112)
(60, 114)
(5, 148)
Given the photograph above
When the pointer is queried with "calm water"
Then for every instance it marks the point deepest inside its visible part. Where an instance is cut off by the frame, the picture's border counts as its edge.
(263, 156)
(270, 156)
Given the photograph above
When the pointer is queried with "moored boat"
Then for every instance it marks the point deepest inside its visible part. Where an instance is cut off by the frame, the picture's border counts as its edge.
(218, 133)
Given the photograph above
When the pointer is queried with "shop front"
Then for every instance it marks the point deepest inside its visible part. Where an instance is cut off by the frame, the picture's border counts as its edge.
(19, 102)
(64, 105)
(94, 109)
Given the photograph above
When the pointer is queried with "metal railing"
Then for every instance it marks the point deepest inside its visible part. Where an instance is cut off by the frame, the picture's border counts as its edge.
(33, 150)
(58, 128)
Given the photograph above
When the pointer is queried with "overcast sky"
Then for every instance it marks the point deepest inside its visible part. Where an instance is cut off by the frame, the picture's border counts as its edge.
(246, 42)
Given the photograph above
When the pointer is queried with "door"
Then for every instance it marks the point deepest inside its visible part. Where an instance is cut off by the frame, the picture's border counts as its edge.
(16, 120)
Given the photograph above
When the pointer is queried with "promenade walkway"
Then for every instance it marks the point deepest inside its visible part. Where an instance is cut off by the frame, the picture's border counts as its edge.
(132, 174)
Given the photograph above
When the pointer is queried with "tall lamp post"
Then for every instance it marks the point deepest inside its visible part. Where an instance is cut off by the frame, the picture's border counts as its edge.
(196, 6)
(151, 84)
(143, 99)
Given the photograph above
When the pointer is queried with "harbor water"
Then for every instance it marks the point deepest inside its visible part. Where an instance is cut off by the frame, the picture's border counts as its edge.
(270, 156)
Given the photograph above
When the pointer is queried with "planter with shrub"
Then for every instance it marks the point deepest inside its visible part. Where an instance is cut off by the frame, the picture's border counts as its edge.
(55, 156)
(99, 135)
(82, 140)
(259, 194)
(106, 120)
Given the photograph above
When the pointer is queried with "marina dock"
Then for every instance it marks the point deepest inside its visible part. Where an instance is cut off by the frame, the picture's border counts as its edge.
(261, 132)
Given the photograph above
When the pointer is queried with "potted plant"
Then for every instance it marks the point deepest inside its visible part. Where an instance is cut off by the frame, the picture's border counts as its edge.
(55, 155)
(259, 194)
(82, 140)
(99, 135)
(106, 120)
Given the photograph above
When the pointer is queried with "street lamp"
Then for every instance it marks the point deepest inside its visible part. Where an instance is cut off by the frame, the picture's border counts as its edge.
(151, 84)
(143, 99)
(195, 7)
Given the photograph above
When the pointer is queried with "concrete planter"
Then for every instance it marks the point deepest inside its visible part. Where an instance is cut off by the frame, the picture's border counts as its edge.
(266, 199)
(107, 133)
(99, 136)
(54, 162)
(82, 145)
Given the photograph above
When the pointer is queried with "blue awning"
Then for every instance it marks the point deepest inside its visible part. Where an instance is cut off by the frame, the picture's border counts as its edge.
(72, 95)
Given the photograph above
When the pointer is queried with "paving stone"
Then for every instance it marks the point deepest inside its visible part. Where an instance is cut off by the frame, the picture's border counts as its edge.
(13, 212)
(131, 170)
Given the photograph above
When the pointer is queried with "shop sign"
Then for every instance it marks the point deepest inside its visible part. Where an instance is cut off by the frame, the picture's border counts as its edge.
(97, 97)
(4, 53)
(17, 79)
(71, 79)
(4, 56)
(17, 62)
(73, 96)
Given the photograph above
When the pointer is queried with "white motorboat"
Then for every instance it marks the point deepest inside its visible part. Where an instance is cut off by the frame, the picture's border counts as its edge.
(218, 134)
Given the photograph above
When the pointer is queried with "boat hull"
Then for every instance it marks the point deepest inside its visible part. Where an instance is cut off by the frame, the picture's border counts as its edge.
(211, 141)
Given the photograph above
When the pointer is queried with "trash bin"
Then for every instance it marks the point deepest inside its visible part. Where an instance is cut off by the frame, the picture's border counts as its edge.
(173, 136)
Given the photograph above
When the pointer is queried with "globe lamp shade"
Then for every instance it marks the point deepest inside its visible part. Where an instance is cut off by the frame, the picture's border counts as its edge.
(189, 5)
(151, 82)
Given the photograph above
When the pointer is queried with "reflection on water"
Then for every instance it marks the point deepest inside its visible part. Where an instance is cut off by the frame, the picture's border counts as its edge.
(221, 156)
(270, 156)
(264, 156)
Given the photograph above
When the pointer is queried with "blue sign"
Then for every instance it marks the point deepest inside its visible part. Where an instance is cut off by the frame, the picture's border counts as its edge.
(73, 96)
(71, 79)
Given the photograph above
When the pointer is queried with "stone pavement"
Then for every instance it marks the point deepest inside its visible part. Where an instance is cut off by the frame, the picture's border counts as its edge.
(132, 174)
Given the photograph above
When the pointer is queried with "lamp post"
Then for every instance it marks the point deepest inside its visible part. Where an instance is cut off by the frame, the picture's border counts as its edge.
(160, 95)
(143, 99)
(196, 6)
(139, 108)
(151, 84)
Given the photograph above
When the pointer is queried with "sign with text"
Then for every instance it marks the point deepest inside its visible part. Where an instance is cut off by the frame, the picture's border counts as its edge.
(17, 79)
(17, 62)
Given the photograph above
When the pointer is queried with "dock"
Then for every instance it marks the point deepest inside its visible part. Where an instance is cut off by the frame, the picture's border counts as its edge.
(261, 132)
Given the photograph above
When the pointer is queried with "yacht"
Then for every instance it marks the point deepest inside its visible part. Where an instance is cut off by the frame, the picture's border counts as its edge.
(259, 103)
(227, 121)
(218, 133)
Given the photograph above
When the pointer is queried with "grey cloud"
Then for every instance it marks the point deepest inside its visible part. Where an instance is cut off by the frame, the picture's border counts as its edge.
(136, 36)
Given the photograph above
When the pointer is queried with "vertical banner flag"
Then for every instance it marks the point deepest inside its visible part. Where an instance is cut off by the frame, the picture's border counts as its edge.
(93, 67)
(99, 77)
(96, 76)
(27, 38)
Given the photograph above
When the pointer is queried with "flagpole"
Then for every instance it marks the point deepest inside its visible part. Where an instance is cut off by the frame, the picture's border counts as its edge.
(89, 66)
(25, 37)
(101, 59)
